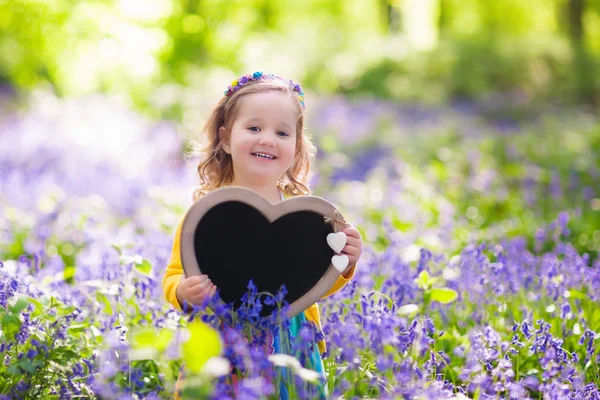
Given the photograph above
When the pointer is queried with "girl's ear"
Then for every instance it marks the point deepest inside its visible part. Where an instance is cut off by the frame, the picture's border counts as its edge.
(224, 139)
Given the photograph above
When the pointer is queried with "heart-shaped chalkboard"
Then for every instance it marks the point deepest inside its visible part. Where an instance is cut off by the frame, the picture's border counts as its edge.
(233, 235)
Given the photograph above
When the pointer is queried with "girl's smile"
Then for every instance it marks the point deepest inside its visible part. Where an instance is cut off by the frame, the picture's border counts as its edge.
(264, 156)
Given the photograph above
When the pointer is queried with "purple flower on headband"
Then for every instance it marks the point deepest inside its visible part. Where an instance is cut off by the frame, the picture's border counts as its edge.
(258, 75)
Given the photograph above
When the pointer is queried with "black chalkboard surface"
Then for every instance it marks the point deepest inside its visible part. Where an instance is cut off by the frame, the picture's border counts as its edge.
(233, 235)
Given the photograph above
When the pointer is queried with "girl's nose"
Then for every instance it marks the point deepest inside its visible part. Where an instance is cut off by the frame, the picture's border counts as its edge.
(266, 141)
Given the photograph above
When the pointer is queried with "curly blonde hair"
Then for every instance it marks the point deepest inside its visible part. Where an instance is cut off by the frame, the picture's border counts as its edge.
(216, 168)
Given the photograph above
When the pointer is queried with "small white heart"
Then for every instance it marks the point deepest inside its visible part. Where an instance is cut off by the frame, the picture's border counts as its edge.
(337, 241)
(340, 262)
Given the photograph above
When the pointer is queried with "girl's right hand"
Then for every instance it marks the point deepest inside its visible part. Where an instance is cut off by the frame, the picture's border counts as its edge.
(194, 289)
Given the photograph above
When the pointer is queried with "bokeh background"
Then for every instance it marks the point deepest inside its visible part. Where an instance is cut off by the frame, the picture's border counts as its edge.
(441, 124)
(487, 103)
(162, 56)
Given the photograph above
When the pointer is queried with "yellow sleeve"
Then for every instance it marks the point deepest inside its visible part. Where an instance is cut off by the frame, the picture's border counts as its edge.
(341, 282)
(174, 272)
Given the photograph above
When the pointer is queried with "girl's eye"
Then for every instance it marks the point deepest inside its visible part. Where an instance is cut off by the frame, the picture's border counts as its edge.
(282, 133)
(254, 128)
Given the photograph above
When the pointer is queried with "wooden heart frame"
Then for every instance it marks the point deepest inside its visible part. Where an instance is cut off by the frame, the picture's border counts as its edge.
(271, 212)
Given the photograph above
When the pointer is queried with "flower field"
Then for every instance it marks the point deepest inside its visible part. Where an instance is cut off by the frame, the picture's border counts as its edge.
(480, 277)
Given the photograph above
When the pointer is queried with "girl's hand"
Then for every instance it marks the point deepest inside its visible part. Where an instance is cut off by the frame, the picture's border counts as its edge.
(353, 247)
(194, 289)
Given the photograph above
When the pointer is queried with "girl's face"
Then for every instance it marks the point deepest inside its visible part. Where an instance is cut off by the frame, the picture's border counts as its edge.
(262, 143)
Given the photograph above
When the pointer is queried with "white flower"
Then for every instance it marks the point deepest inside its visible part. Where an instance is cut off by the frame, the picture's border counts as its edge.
(308, 374)
(408, 309)
(216, 367)
(284, 360)
(10, 266)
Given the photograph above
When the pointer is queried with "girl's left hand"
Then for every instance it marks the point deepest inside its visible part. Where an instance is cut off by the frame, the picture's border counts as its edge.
(353, 247)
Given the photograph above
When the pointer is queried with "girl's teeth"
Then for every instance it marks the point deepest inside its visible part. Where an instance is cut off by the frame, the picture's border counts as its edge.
(263, 156)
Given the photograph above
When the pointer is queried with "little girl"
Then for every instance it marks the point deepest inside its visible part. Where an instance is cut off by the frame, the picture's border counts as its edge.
(256, 139)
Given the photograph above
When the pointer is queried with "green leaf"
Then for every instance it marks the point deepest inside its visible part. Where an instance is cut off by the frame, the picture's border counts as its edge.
(443, 295)
(578, 295)
(165, 336)
(14, 370)
(76, 328)
(204, 343)
(28, 365)
(120, 248)
(424, 280)
(143, 267)
(20, 305)
(39, 308)
(117, 248)
(69, 273)
(148, 337)
(54, 302)
(143, 338)
(11, 324)
(402, 226)
(104, 300)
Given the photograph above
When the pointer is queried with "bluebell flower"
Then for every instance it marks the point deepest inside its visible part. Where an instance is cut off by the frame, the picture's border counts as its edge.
(280, 296)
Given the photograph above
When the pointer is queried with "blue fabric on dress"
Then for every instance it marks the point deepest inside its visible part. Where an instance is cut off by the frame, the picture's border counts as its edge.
(283, 344)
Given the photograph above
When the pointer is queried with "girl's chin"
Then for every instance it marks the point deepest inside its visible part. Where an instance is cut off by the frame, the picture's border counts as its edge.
(261, 175)
(264, 165)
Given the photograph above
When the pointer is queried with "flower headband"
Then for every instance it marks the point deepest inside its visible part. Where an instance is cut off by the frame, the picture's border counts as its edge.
(238, 83)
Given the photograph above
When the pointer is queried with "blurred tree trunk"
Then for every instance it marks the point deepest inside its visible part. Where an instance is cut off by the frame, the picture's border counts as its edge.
(582, 64)
(443, 17)
(269, 14)
(393, 16)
